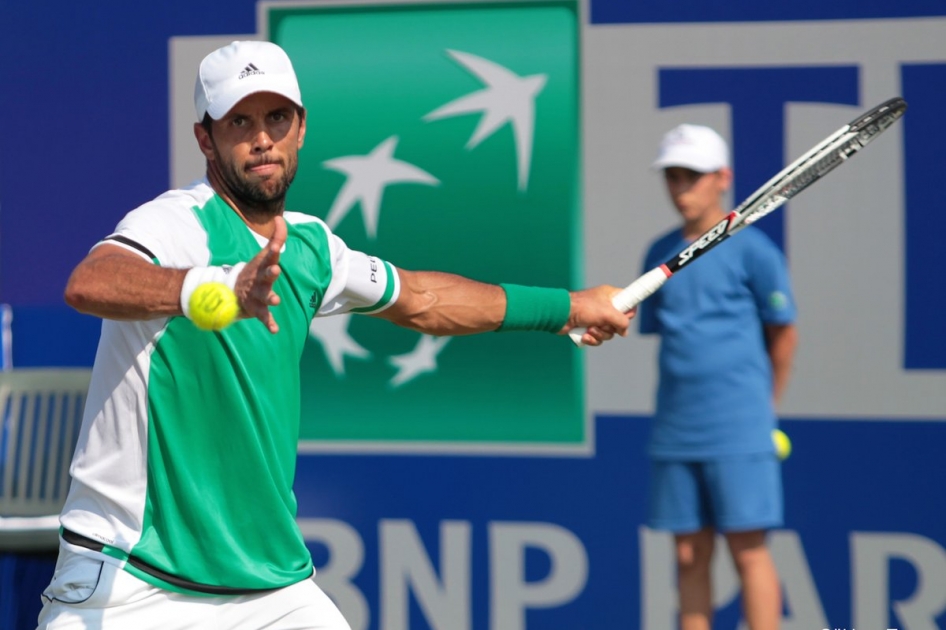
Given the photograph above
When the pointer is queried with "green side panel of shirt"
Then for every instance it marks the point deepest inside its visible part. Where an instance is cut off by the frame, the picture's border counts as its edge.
(224, 425)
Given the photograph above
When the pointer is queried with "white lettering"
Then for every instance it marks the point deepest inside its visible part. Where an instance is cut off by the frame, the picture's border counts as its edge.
(346, 556)
(510, 594)
(658, 579)
(870, 558)
(715, 233)
(659, 607)
(406, 568)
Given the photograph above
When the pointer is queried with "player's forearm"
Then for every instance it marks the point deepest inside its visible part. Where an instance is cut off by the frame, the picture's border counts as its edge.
(124, 287)
(781, 342)
(445, 304)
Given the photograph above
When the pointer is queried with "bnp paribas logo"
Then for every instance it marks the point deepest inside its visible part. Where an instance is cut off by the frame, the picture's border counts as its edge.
(441, 137)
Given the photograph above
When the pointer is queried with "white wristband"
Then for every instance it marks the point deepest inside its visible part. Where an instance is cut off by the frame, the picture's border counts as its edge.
(197, 276)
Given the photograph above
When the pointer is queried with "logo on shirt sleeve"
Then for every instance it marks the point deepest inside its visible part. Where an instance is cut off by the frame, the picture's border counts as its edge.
(778, 300)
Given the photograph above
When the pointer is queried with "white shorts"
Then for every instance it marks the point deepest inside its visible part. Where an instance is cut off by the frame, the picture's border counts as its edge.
(87, 593)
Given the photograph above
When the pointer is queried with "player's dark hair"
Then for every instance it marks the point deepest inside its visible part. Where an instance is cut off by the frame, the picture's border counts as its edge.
(207, 124)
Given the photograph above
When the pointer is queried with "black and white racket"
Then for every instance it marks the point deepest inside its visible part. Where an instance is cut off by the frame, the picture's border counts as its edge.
(796, 177)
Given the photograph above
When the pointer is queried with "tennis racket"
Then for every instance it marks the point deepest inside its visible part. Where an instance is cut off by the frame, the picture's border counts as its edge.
(820, 160)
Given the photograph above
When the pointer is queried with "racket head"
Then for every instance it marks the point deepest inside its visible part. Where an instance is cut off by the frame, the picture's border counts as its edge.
(881, 117)
(819, 161)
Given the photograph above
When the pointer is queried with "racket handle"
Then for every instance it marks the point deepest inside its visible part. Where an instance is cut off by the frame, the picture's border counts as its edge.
(632, 295)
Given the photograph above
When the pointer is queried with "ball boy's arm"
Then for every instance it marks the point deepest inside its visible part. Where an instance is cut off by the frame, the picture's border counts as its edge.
(781, 341)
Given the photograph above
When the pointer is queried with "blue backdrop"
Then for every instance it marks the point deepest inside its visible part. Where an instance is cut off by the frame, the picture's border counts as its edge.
(84, 105)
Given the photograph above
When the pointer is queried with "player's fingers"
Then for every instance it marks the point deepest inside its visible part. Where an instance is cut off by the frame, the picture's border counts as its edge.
(606, 314)
(262, 296)
(263, 282)
(601, 333)
(257, 273)
(271, 323)
(278, 239)
(263, 314)
(260, 310)
(608, 333)
(617, 323)
(631, 314)
(269, 254)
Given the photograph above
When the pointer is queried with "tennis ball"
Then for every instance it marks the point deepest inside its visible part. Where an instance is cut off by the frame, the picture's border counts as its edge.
(213, 306)
(783, 446)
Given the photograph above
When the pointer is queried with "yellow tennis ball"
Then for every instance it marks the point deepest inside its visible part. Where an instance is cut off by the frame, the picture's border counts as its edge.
(783, 446)
(213, 306)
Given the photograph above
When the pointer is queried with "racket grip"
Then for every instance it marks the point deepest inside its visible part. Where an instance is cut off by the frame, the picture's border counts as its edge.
(632, 295)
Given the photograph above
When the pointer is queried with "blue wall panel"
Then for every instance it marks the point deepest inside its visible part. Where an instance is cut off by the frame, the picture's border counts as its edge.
(629, 11)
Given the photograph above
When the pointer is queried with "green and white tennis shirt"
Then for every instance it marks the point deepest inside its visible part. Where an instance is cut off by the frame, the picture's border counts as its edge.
(187, 452)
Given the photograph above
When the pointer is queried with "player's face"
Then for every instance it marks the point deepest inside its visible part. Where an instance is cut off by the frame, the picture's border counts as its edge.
(254, 149)
(696, 195)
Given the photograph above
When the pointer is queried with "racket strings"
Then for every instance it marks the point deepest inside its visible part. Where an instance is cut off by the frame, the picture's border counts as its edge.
(835, 156)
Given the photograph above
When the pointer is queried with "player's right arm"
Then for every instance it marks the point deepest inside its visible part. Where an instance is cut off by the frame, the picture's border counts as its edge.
(113, 282)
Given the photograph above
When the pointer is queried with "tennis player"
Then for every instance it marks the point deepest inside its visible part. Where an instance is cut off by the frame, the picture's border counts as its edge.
(181, 512)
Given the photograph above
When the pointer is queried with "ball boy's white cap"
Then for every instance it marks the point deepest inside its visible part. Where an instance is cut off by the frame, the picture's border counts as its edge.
(694, 147)
(229, 74)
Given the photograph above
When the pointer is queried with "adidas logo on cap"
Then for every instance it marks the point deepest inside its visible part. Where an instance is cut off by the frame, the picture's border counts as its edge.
(249, 71)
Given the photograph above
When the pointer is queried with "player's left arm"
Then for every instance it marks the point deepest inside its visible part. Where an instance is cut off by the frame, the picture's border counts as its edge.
(440, 303)
(781, 341)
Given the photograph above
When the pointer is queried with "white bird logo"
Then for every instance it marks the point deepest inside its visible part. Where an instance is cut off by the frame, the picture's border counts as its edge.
(332, 333)
(423, 358)
(368, 175)
(507, 97)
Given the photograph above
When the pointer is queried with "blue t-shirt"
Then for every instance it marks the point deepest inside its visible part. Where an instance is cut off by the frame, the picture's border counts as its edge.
(715, 392)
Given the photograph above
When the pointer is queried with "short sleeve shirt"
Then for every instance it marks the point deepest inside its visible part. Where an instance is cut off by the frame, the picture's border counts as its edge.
(187, 451)
(714, 396)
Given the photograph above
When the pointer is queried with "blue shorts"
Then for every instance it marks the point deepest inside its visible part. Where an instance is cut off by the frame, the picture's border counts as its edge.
(732, 494)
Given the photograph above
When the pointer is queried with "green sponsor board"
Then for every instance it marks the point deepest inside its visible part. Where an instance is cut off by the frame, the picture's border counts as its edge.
(441, 137)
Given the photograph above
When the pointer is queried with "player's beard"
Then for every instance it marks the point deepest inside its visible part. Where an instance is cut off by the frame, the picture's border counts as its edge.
(255, 197)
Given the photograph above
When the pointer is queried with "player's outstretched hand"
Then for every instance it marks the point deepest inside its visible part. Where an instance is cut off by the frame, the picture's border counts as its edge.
(592, 309)
(254, 286)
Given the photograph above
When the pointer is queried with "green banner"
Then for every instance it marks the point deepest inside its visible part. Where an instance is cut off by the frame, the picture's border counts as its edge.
(442, 137)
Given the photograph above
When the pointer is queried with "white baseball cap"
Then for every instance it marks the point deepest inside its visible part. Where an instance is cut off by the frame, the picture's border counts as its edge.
(694, 147)
(229, 74)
